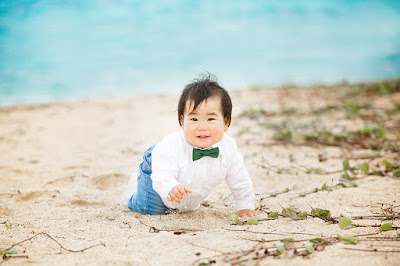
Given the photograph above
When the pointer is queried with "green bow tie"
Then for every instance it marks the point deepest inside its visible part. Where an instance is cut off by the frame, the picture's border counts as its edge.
(198, 154)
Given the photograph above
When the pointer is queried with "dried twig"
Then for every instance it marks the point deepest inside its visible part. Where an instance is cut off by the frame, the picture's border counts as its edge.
(179, 231)
(271, 233)
(394, 239)
(8, 194)
(374, 250)
(273, 194)
(12, 256)
(52, 238)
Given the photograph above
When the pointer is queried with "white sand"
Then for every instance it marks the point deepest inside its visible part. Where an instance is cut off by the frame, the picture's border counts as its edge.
(64, 166)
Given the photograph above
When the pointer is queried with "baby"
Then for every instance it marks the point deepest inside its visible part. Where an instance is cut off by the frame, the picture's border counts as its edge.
(183, 169)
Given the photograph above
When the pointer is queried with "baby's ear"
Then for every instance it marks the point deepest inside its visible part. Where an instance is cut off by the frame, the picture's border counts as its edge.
(181, 120)
(227, 123)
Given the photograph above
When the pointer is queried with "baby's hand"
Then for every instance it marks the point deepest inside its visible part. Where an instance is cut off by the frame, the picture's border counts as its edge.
(247, 213)
(177, 192)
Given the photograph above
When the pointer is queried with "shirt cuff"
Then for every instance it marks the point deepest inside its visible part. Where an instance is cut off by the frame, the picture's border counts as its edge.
(244, 204)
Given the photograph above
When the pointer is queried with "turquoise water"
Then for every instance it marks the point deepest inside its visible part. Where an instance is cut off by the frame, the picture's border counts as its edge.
(51, 49)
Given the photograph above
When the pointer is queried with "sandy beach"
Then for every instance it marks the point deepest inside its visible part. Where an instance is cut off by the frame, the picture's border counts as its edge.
(64, 166)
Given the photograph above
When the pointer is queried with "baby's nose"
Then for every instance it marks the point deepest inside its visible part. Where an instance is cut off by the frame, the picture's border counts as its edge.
(203, 126)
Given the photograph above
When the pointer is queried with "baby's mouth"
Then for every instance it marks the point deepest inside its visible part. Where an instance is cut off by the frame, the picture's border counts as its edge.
(202, 137)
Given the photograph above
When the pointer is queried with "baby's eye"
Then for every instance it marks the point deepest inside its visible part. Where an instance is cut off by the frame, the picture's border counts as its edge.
(194, 119)
(210, 119)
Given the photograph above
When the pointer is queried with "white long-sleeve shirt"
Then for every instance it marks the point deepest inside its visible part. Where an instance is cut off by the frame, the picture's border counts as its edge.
(172, 164)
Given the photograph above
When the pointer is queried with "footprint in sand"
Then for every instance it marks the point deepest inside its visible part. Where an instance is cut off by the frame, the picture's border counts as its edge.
(73, 167)
(30, 195)
(107, 181)
(83, 203)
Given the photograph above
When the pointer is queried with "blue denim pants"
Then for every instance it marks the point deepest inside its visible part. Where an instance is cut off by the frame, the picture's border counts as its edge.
(146, 200)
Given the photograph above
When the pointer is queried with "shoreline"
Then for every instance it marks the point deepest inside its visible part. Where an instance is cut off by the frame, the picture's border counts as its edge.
(177, 91)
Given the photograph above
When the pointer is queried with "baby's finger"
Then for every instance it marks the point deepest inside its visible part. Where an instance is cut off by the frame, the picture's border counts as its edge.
(169, 198)
(177, 199)
(177, 194)
(188, 190)
(181, 190)
(174, 198)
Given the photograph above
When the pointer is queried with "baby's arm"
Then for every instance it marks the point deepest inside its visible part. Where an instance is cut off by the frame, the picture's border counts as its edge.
(165, 167)
(240, 185)
(177, 193)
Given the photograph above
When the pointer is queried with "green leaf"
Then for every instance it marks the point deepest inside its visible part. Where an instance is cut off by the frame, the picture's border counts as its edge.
(316, 240)
(365, 168)
(396, 172)
(240, 222)
(252, 221)
(353, 170)
(286, 240)
(346, 164)
(346, 176)
(6, 252)
(388, 164)
(321, 213)
(349, 239)
(349, 183)
(310, 249)
(273, 215)
(235, 218)
(386, 227)
(344, 222)
(287, 212)
(281, 249)
(302, 215)
(325, 187)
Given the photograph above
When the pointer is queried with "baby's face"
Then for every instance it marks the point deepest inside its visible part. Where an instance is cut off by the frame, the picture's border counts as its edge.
(206, 125)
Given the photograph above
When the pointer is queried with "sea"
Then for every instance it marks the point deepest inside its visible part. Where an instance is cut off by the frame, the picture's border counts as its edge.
(74, 49)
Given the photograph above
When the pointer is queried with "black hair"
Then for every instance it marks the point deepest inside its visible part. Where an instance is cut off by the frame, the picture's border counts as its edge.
(201, 89)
